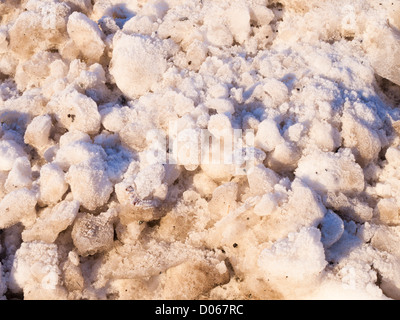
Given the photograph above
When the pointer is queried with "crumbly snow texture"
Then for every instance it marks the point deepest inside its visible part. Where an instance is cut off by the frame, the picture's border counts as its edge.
(137, 63)
(113, 180)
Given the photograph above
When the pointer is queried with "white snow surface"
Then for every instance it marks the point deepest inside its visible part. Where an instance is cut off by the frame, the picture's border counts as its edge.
(107, 190)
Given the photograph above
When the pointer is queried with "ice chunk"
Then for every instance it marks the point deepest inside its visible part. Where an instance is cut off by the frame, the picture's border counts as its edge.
(385, 261)
(123, 196)
(34, 72)
(77, 152)
(80, 5)
(362, 139)
(86, 35)
(196, 53)
(325, 136)
(35, 30)
(388, 211)
(76, 111)
(296, 260)
(331, 172)
(223, 200)
(261, 179)
(135, 209)
(133, 135)
(108, 8)
(92, 234)
(238, 18)
(353, 208)
(267, 205)
(284, 157)
(382, 44)
(204, 184)
(332, 228)
(220, 126)
(349, 27)
(187, 148)
(295, 132)
(179, 29)
(20, 175)
(35, 271)
(218, 91)
(73, 278)
(3, 178)
(172, 172)
(18, 206)
(52, 184)
(50, 153)
(179, 102)
(219, 171)
(196, 277)
(90, 184)
(140, 25)
(37, 133)
(151, 259)
(74, 136)
(115, 118)
(10, 151)
(93, 83)
(155, 8)
(51, 222)
(246, 158)
(277, 90)
(299, 207)
(137, 64)
(386, 238)
(149, 179)
(222, 106)
(261, 14)
(268, 135)
(218, 34)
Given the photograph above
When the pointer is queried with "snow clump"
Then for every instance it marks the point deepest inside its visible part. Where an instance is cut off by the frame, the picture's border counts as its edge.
(200, 149)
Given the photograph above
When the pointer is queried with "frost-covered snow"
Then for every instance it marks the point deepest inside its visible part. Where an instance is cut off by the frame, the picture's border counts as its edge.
(199, 149)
